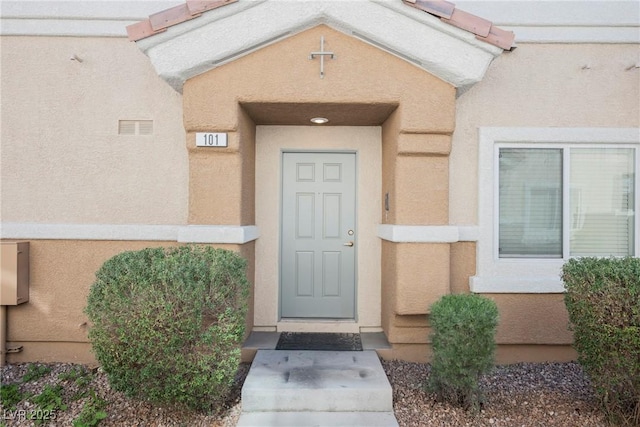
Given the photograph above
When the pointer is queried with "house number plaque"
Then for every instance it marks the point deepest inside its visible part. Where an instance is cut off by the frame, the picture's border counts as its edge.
(211, 139)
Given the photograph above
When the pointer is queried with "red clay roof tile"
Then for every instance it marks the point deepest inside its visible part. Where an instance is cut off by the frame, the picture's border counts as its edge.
(439, 8)
(446, 11)
(499, 37)
(141, 30)
(159, 22)
(469, 22)
(169, 17)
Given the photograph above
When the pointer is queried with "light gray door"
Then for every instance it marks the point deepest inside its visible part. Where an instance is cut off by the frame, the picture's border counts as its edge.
(318, 235)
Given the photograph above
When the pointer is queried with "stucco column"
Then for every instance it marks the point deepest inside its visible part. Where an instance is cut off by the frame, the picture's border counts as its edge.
(221, 179)
(416, 189)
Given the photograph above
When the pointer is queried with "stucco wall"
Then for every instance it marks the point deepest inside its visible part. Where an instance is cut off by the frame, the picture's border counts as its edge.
(62, 160)
(52, 326)
(541, 85)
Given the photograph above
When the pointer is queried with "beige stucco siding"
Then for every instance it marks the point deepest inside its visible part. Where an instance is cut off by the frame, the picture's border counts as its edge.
(62, 158)
(532, 319)
(541, 85)
(52, 326)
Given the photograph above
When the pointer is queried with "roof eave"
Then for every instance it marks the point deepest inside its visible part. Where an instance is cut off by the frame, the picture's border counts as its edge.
(195, 46)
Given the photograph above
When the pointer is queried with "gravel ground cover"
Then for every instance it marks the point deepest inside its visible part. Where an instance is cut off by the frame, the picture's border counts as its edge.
(531, 395)
(526, 394)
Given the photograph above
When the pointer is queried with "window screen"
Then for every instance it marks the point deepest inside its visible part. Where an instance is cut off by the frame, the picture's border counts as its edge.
(602, 201)
(530, 202)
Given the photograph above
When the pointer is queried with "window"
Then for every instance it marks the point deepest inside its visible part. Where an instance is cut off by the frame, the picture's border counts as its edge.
(597, 191)
(548, 194)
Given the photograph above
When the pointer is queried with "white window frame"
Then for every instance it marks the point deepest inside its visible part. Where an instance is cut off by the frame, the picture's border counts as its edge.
(533, 275)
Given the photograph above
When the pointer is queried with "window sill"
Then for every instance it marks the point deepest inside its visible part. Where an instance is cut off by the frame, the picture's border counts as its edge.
(516, 285)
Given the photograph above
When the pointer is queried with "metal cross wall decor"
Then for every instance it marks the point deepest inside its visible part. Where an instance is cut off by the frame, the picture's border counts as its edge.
(322, 54)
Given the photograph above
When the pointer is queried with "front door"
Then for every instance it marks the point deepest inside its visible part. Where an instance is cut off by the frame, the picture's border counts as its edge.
(318, 235)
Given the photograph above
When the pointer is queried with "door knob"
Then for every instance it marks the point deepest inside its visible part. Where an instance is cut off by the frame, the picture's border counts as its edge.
(347, 244)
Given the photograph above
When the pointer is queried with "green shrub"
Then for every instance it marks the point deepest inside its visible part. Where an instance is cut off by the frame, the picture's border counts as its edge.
(603, 301)
(10, 395)
(80, 377)
(167, 323)
(48, 402)
(93, 412)
(76, 373)
(463, 347)
(35, 372)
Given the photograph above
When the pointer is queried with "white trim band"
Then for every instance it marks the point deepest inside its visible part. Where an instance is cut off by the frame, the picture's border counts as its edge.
(231, 234)
(427, 233)
(222, 234)
(218, 234)
(593, 21)
(64, 27)
(536, 34)
(76, 18)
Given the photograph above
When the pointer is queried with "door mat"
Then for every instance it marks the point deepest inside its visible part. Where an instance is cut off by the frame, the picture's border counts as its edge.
(319, 341)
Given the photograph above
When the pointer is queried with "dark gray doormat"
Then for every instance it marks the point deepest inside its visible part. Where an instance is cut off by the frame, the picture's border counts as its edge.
(319, 341)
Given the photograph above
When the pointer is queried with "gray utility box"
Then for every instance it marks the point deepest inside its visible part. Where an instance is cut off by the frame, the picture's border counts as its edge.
(14, 276)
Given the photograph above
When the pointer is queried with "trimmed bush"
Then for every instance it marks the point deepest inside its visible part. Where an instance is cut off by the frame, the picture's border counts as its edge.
(603, 301)
(167, 324)
(463, 344)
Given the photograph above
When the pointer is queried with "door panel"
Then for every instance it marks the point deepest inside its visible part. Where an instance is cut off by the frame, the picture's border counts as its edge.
(318, 212)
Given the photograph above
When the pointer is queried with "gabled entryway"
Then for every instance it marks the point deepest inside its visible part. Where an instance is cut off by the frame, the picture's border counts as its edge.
(389, 113)
(385, 76)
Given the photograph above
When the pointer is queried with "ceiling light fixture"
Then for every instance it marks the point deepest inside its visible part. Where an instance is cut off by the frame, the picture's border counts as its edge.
(319, 120)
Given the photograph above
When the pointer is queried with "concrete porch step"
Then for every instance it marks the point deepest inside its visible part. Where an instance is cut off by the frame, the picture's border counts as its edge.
(269, 340)
(332, 388)
(316, 419)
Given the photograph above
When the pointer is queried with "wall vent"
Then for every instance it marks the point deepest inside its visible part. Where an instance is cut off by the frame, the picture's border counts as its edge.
(135, 127)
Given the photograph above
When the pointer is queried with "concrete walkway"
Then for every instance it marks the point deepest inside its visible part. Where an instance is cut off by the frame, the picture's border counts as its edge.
(316, 388)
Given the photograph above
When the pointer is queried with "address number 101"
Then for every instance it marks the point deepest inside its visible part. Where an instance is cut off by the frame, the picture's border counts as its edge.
(209, 139)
